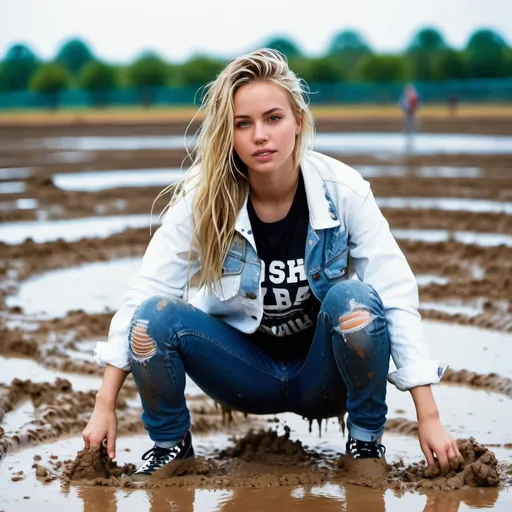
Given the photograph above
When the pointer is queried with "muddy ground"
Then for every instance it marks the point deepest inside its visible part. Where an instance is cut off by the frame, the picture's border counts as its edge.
(45, 415)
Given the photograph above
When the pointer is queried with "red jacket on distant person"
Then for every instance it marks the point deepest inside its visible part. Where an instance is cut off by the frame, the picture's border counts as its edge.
(410, 100)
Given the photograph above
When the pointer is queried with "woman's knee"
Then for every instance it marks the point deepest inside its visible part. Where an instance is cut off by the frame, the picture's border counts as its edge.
(152, 325)
(352, 305)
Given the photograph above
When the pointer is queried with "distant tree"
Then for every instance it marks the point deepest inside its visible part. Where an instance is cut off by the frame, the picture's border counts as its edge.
(50, 79)
(18, 66)
(199, 70)
(423, 52)
(381, 68)
(449, 65)
(74, 55)
(348, 48)
(428, 39)
(284, 45)
(146, 73)
(300, 66)
(486, 53)
(348, 41)
(508, 63)
(98, 78)
(318, 70)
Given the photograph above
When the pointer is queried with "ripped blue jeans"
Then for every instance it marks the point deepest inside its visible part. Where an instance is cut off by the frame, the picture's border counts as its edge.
(345, 369)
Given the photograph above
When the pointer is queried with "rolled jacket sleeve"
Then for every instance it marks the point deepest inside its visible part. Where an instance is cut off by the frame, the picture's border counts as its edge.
(164, 272)
(379, 262)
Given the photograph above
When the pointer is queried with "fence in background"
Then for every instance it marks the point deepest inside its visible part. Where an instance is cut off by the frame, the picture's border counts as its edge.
(468, 91)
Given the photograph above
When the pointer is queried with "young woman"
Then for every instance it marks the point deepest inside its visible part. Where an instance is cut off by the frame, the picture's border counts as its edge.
(303, 293)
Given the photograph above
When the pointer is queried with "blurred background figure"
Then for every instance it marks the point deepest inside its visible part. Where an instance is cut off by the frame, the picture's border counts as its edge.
(410, 104)
(453, 103)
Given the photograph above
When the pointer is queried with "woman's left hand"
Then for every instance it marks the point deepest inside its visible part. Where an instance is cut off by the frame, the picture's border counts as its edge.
(435, 439)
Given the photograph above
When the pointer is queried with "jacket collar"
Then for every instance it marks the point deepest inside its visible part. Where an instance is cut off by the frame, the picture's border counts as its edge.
(322, 212)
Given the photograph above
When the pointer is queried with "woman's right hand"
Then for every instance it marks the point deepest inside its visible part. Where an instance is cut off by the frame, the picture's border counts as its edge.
(102, 425)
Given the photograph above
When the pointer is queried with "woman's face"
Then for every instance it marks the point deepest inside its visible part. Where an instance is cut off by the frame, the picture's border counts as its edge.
(265, 127)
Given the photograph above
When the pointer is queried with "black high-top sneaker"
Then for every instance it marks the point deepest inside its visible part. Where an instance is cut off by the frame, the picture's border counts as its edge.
(365, 449)
(164, 462)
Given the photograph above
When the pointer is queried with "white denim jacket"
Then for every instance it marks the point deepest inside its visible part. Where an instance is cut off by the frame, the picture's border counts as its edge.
(346, 231)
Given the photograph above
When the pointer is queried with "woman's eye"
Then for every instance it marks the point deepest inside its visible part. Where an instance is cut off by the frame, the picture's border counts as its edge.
(242, 124)
(274, 118)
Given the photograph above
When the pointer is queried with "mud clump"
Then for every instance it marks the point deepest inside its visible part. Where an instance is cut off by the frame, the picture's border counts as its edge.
(267, 447)
(93, 463)
(258, 460)
(478, 469)
(490, 381)
(366, 472)
(402, 426)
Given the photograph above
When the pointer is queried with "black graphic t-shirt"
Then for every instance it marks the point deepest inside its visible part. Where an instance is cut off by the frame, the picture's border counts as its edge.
(290, 309)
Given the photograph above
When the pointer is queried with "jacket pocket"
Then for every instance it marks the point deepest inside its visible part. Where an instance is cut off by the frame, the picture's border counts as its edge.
(229, 283)
(335, 269)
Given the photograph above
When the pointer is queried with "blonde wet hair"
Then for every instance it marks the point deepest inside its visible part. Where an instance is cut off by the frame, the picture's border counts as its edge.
(217, 174)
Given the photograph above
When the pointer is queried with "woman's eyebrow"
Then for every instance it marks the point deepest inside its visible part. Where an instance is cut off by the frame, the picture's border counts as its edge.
(266, 113)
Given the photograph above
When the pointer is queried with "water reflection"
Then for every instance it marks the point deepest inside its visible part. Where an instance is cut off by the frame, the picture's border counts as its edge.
(96, 499)
(14, 172)
(72, 230)
(446, 203)
(452, 501)
(330, 496)
(172, 499)
(338, 143)
(102, 180)
(12, 187)
(19, 204)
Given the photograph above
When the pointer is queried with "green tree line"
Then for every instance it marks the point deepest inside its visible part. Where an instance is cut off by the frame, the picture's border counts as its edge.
(348, 58)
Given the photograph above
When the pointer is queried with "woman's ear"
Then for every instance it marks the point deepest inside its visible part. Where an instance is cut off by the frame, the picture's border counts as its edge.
(299, 125)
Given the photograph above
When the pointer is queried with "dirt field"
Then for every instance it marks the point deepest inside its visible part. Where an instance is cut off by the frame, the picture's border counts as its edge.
(458, 246)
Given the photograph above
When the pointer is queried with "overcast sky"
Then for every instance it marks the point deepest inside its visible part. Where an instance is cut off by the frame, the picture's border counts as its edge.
(118, 30)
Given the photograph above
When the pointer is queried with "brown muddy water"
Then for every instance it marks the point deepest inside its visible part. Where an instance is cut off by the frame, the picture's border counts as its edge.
(84, 204)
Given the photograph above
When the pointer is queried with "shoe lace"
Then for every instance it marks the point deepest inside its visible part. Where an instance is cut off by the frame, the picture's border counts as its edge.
(157, 454)
(372, 448)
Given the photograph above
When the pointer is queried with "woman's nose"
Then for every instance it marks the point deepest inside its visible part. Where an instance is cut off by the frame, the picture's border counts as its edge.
(260, 134)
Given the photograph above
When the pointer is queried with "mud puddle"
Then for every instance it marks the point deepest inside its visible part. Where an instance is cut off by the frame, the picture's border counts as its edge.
(330, 495)
(72, 229)
(42, 231)
(421, 143)
(15, 173)
(455, 307)
(446, 203)
(12, 187)
(403, 171)
(339, 143)
(470, 348)
(19, 204)
(21, 368)
(426, 279)
(76, 288)
(23, 413)
(443, 235)
(102, 180)
(28, 369)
